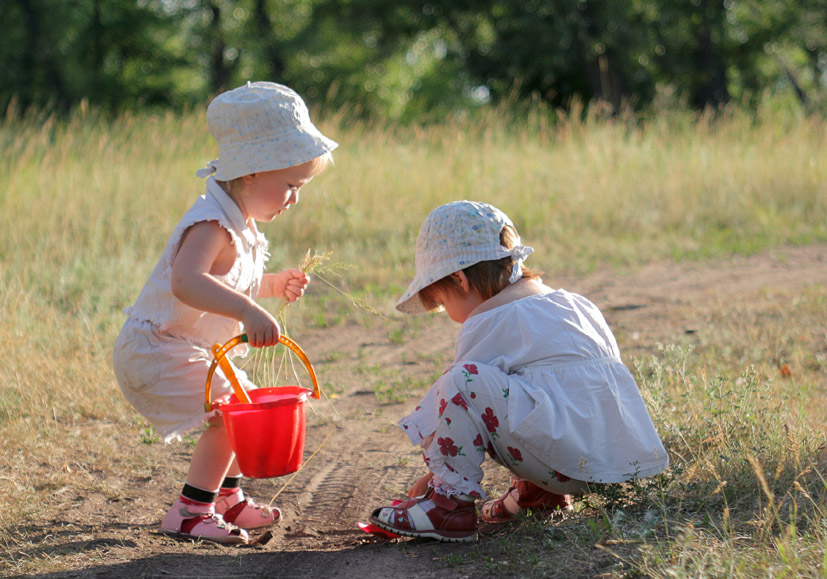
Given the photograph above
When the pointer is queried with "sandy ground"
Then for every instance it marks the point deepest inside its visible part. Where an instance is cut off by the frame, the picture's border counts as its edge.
(109, 528)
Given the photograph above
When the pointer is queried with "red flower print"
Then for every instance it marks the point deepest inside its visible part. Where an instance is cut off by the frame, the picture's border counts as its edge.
(475, 494)
(491, 452)
(469, 370)
(478, 440)
(442, 405)
(515, 453)
(473, 394)
(491, 421)
(447, 446)
(459, 400)
(560, 477)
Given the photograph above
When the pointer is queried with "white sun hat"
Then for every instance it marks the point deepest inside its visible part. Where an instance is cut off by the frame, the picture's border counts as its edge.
(455, 236)
(261, 126)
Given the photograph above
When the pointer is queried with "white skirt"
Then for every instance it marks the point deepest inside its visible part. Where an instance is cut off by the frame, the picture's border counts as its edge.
(164, 378)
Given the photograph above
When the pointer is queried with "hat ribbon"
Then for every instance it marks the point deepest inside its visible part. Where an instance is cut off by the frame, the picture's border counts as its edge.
(518, 254)
(208, 169)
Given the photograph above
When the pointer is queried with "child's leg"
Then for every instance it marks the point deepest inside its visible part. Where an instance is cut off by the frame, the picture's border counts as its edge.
(473, 414)
(472, 407)
(524, 494)
(193, 513)
(211, 458)
(469, 400)
(473, 402)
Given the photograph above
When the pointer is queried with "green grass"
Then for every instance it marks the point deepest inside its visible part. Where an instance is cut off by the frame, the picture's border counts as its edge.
(746, 493)
(86, 206)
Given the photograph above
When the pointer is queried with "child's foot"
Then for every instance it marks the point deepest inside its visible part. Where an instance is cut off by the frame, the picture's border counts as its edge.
(451, 519)
(243, 512)
(197, 521)
(523, 495)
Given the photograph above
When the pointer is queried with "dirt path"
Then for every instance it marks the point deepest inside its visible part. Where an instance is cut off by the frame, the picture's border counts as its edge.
(364, 461)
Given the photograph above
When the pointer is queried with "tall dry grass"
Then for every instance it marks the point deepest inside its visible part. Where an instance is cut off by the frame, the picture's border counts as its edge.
(86, 205)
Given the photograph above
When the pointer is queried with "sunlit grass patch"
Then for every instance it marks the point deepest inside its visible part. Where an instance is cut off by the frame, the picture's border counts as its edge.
(745, 495)
(87, 204)
(746, 492)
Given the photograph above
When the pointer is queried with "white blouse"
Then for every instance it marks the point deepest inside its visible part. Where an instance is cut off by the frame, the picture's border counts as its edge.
(156, 303)
(572, 403)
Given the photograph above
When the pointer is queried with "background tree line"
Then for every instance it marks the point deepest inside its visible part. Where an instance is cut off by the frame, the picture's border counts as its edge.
(408, 59)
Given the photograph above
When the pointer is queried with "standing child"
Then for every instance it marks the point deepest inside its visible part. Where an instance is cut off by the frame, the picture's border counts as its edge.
(537, 382)
(203, 292)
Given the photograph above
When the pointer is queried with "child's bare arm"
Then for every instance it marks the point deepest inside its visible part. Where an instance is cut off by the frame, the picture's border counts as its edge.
(204, 254)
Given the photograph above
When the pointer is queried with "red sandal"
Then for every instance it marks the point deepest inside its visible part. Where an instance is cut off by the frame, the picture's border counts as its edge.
(523, 495)
(433, 515)
(243, 512)
(190, 520)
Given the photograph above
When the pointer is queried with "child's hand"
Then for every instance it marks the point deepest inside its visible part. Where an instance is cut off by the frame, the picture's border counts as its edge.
(261, 327)
(420, 487)
(289, 284)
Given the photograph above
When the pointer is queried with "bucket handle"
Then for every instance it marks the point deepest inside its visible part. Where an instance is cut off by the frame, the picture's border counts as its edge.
(220, 352)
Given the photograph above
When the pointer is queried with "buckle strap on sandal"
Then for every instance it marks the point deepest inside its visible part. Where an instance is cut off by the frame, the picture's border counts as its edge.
(448, 503)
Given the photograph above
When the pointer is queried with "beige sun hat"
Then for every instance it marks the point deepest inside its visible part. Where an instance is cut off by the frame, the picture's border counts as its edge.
(261, 126)
(455, 236)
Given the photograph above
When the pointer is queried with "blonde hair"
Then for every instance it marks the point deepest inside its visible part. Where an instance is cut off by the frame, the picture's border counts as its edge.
(317, 166)
(487, 278)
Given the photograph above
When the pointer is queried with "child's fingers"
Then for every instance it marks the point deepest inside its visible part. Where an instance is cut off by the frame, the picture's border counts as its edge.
(262, 330)
(297, 274)
(295, 286)
(294, 290)
(301, 282)
(264, 338)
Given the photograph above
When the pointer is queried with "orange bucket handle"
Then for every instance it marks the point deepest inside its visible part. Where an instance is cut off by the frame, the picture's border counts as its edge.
(220, 353)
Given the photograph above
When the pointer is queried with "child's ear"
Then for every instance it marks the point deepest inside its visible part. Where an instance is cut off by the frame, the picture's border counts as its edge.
(460, 279)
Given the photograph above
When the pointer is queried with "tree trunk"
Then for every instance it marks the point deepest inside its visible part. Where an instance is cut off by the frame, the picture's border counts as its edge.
(712, 90)
(219, 73)
(602, 75)
(39, 60)
(272, 52)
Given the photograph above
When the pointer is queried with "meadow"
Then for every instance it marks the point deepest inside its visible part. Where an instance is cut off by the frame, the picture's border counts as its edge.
(87, 203)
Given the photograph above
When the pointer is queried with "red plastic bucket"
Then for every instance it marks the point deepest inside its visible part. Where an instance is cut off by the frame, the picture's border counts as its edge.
(267, 434)
(266, 425)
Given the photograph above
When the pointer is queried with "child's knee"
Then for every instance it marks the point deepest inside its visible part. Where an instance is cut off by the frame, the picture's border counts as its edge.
(215, 422)
(473, 377)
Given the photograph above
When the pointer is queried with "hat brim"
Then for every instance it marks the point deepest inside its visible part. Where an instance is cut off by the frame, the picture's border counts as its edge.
(287, 151)
(410, 303)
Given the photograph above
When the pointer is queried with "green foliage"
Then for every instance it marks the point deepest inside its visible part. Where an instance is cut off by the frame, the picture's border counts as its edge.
(413, 61)
(112, 54)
